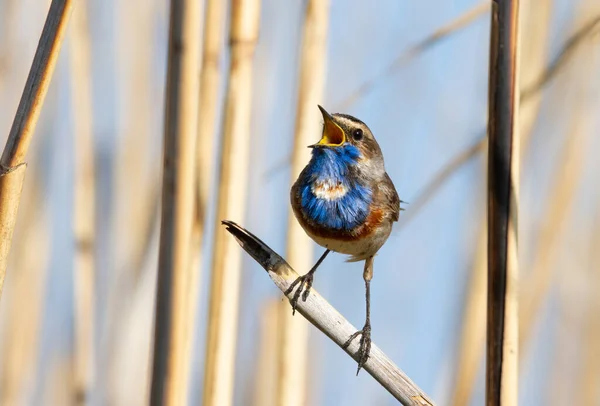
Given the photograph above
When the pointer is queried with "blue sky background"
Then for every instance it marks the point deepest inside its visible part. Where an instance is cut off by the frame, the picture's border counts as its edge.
(423, 115)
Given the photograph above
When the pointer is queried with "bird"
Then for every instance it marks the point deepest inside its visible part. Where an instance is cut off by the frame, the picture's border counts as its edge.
(347, 203)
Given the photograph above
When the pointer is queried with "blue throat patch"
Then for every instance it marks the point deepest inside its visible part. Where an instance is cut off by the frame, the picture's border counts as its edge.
(332, 165)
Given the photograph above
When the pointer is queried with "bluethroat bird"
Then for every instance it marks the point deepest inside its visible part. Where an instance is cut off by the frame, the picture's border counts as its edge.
(346, 202)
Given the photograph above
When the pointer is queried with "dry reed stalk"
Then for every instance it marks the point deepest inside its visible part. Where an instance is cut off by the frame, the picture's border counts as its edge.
(566, 338)
(137, 194)
(132, 346)
(327, 319)
(503, 198)
(265, 376)
(573, 291)
(136, 178)
(535, 24)
(170, 374)
(210, 83)
(84, 212)
(588, 390)
(12, 162)
(26, 292)
(535, 34)
(293, 344)
(226, 268)
(473, 329)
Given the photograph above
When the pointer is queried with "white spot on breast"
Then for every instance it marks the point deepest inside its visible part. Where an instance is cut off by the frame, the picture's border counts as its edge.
(328, 189)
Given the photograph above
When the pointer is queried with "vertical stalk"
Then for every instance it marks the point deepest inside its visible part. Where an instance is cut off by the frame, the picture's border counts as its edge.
(534, 24)
(579, 102)
(226, 268)
(265, 376)
(473, 328)
(503, 178)
(12, 162)
(293, 335)
(210, 80)
(588, 391)
(171, 335)
(23, 305)
(84, 208)
(135, 202)
(210, 83)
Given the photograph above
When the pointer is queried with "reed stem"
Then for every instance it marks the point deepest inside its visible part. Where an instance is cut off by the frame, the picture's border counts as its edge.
(293, 343)
(84, 212)
(327, 319)
(170, 374)
(12, 162)
(226, 267)
(503, 179)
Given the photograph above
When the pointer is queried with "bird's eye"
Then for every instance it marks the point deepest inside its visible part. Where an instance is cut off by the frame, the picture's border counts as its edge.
(357, 134)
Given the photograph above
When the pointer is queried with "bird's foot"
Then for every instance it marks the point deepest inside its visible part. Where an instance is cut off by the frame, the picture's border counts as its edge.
(364, 348)
(304, 283)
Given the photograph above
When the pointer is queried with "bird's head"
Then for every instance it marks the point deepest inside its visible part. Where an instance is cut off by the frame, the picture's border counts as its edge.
(344, 132)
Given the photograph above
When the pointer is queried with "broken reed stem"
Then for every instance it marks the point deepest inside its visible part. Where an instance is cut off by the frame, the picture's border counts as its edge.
(172, 331)
(84, 208)
(327, 319)
(227, 261)
(12, 163)
(293, 344)
(503, 179)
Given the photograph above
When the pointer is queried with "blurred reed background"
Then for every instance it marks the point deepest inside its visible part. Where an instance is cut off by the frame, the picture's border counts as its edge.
(78, 303)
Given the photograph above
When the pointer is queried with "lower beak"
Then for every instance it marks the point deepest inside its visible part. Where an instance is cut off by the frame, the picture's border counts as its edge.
(333, 135)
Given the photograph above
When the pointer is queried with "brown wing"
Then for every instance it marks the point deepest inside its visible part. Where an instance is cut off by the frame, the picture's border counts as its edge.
(390, 197)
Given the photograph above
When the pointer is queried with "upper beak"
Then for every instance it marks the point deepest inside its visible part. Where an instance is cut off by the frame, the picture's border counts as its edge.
(333, 135)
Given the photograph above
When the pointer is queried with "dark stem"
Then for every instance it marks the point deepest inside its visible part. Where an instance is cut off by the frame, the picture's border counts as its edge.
(501, 181)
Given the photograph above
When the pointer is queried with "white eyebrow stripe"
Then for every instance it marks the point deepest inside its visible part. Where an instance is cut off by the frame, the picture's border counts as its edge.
(328, 190)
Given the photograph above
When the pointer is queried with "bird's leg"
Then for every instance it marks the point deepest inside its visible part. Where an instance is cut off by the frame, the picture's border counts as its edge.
(305, 283)
(364, 348)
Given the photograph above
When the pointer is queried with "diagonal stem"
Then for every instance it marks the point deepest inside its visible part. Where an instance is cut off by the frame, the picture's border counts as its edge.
(327, 319)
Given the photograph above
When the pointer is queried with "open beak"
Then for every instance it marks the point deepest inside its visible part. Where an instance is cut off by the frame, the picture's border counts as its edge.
(333, 135)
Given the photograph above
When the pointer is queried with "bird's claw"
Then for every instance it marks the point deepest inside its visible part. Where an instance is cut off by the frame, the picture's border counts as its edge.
(304, 283)
(364, 348)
